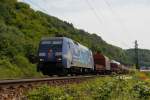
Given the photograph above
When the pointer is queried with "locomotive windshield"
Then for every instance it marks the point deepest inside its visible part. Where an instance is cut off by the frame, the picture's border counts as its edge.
(54, 45)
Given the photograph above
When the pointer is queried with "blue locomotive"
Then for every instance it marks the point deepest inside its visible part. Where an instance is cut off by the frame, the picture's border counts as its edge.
(59, 55)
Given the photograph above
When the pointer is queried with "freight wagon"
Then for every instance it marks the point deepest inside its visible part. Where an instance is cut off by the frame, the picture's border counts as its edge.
(115, 67)
(101, 64)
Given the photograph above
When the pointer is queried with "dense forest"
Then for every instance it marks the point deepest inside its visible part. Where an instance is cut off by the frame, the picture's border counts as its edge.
(144, 56)
(21, 29)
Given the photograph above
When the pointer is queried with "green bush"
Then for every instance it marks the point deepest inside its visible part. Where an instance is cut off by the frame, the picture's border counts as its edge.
(105, 88)
(142, 90)
(49, 93)
(28, 69)
(21, 68)
(7, 70)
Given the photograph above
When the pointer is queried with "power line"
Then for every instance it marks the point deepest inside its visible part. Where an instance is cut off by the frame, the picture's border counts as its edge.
(94, 12)
(35, 4)
(123, 43)
(116, 15)
(101, 14)
(109, 5)
(123, 27)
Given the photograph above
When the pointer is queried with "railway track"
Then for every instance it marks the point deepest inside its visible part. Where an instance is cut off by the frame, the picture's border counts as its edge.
(15, 89)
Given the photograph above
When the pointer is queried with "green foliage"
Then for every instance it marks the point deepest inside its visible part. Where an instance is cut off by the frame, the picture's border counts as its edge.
(7, 70)
(104, 88)
(8, 1)
(27, 69)
(142, 90)
(20, 68)
(21, 5)
(144, 56)
(49, 93)
(21, 29)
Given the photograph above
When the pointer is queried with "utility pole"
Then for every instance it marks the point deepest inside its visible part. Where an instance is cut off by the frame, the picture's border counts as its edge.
(136, 55)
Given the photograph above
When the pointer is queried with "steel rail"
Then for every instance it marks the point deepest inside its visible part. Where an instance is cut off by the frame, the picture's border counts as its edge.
(18, 81)
(15, 89)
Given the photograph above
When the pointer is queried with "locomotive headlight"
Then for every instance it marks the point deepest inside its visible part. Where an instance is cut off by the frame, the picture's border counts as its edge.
(41, 59)
(58, 56)
(59, 59)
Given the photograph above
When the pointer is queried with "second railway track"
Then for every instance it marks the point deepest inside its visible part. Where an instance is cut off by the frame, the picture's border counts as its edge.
(15, 89)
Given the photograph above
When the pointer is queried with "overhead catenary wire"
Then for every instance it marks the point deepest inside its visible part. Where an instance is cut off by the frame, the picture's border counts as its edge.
(100, 10)
(123, 27)
(115, 15)
(37, 5)
(94, 11)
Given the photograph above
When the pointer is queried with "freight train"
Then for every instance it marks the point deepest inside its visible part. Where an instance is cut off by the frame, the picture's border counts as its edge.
(62, 55)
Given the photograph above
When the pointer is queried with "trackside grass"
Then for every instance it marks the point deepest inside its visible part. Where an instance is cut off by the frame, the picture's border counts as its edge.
(103, 88)
(22, 68)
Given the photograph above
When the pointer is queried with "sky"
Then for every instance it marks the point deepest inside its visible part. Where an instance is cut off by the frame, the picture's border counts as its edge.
(118, 22)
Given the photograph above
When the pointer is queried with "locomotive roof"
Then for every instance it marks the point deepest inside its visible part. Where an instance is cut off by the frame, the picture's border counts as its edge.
(84, 47)
(50, 38)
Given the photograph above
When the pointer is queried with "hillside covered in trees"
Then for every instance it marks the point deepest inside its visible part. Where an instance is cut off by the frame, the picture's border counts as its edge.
(21, 29)
(144, 56)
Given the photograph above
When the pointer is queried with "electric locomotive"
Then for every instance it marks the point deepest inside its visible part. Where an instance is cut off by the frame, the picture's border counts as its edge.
(61, 55)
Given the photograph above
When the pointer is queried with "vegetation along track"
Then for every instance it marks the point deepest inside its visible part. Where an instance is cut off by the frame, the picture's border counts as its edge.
(15, 89)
